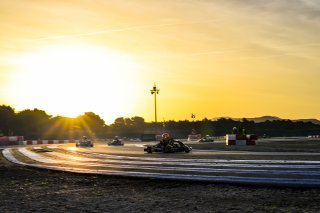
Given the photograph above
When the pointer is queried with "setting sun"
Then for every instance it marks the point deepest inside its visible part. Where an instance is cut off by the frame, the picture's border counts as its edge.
(212, 58)
(160, 105)
(70, 80)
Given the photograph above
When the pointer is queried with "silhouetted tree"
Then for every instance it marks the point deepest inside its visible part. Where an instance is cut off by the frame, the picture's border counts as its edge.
(91, 124)
(32, 123)
(7, 117)
(62, 128)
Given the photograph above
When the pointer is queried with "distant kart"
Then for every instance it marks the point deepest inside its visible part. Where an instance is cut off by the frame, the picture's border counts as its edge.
(115, 143)
(206, 140)
(84, 143)
(177, 146)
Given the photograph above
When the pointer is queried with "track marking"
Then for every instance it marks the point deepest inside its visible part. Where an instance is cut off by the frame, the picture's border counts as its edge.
(200, 177)
(37, 157)
(107, 156)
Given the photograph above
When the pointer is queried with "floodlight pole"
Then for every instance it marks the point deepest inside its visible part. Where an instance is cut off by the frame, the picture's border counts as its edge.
(154, 92)
(193, 116)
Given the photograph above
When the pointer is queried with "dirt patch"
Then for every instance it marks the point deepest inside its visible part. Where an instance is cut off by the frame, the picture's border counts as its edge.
(32, 190)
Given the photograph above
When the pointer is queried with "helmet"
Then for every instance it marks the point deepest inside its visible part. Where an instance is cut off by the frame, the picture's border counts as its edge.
(165, 136)
(84, 137)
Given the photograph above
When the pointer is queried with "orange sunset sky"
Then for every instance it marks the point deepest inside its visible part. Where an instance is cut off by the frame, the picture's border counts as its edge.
(214, 58)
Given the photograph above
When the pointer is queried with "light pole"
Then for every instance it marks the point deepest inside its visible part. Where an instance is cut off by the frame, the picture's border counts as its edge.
(154, 92)
(193, 116)
(164, 125)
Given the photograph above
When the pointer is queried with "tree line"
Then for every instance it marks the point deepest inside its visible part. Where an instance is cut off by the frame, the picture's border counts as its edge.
(37, 124)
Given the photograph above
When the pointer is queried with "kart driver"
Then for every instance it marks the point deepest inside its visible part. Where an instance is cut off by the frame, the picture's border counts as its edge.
(166, 141)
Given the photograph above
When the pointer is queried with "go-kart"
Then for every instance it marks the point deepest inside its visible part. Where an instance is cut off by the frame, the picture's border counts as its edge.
(115, 142)
(84, 143)
(206, 139)
(175, 146)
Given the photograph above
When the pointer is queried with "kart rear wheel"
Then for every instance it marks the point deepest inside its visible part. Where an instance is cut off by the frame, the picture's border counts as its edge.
(167, 149)
(149, 150)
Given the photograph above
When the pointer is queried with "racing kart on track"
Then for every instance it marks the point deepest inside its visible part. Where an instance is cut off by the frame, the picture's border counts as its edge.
(175, 146)
(207, 138)
(85, 142)
(115, 142)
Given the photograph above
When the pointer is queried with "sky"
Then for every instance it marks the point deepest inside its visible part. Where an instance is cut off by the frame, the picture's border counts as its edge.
(215, 58)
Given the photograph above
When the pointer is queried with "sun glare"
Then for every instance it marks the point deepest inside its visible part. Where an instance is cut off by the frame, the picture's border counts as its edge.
(69, 80)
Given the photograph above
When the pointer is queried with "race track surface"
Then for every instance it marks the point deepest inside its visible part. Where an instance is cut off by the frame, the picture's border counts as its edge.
(199, 165)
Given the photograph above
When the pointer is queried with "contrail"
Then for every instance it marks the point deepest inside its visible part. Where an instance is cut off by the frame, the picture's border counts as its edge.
(290, 53)
(239, 50)
(215, 52)
(138, 27)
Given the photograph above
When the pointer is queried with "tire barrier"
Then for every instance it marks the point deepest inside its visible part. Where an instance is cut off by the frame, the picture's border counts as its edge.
(36, 142)
(10, 140)
(314, 136)
(233, 139)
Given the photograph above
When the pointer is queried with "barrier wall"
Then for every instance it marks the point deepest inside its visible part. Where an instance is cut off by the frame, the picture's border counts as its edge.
(10, 140)
(233, 139)
(314, 136)
(35, 142)
(13, 141)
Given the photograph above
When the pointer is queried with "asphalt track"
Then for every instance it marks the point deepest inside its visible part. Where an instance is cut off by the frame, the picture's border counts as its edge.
(199, 165)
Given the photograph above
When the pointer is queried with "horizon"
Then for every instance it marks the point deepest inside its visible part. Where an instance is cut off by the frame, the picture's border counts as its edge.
(237, 58)
(176, 120)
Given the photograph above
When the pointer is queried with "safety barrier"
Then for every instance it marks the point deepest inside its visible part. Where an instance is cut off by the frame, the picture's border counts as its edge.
(35, 142)
(233, 139)
(314, 136)
(10, 140)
